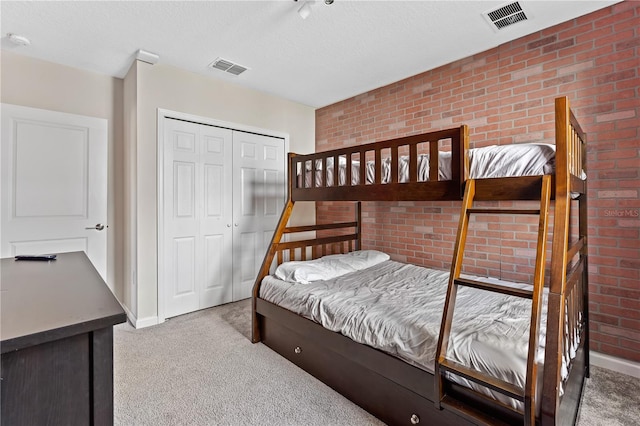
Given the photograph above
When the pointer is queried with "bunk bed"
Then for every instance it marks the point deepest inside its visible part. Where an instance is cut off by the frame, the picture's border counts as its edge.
(398, 391)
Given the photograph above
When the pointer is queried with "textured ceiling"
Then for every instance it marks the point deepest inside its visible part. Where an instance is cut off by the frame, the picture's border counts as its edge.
(339, 51)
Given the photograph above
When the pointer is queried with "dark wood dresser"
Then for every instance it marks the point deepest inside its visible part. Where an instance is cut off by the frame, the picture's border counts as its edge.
(56, 331)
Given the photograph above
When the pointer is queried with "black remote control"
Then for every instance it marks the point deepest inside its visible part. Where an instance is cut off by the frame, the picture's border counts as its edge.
(36, 257)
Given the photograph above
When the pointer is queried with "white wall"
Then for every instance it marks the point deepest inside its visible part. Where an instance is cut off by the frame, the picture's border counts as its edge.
(161, 86)
(40, 84)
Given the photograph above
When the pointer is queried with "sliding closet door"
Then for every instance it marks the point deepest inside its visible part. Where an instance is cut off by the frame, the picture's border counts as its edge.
(258, 199)
(197, 217)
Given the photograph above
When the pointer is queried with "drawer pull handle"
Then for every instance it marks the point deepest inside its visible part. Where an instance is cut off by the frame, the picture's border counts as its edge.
(415, 419)
(297, 349)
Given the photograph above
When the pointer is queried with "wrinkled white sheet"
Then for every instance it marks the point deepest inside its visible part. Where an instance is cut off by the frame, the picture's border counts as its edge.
(512, 160)
(488, 162)
(397, 308)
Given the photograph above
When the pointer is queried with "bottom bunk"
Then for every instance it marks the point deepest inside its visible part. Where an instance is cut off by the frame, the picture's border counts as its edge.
(390, 389)
(395, 392)
(398, 391)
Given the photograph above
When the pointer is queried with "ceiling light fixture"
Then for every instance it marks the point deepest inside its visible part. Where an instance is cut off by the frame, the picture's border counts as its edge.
(18, 40)
(305, 10)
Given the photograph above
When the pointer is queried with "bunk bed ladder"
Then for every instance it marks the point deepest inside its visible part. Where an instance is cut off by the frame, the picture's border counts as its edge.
(465, 401)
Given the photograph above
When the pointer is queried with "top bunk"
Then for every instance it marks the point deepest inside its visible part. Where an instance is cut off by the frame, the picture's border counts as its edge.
(434, 166)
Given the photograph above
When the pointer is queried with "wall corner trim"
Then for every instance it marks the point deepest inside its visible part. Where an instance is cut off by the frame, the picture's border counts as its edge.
(619, 365)
(140, 323)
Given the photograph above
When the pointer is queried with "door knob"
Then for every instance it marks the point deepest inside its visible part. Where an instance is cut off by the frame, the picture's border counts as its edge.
(98, 227)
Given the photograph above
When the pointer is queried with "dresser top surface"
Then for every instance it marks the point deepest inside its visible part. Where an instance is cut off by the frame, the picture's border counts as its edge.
(42, 301)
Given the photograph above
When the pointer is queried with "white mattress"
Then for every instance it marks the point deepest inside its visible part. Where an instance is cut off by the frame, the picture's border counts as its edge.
(488, 162)
(397, 308)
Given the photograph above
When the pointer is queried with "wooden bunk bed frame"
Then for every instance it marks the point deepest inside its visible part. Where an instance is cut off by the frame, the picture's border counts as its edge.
(390, 389)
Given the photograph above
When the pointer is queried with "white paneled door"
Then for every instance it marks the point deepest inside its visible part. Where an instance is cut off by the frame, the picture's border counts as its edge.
(197, 216)
(258, 199)
(54, 184)
(223, 192)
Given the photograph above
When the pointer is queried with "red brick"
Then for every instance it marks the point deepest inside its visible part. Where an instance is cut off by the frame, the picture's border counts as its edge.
(618, 351)
(631, 294)
(601, 31)
(542, 42)
(605, 338)
(605, 300)
(617, 76)
(617, 311)
(586, 54)
(559, 45)
(630, 324)
(631, 344)
(621, 332)
(576, 30)
(621, 7)
(605, 319)
(614, 38)
(628, 44)
(630, 304)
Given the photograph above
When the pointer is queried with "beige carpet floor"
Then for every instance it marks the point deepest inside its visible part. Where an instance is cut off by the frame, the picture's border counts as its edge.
(201, 369)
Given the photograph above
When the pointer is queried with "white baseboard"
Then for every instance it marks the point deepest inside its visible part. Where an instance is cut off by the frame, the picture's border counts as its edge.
(142, 322)
(619, 365)
(147, 322)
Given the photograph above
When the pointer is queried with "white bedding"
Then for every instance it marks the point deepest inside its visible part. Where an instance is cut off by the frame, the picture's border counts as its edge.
(327, 267)
(488, 162)
(397, 308)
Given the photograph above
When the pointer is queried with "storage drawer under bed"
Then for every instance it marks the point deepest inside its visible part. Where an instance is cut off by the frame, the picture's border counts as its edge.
(358, 372)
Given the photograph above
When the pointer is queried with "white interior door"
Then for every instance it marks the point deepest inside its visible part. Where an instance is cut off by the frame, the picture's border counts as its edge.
(258, 199)
(197, 216)
(54, 184)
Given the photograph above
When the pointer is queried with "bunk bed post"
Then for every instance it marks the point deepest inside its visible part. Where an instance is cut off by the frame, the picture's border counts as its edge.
(580, 146)
(583, 229)
(556, 302)
(359, 225)
(460, 158)
(268, 258)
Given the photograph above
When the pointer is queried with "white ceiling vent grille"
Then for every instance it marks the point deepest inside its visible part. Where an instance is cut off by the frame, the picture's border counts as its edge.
(505, 15)
(227, 66)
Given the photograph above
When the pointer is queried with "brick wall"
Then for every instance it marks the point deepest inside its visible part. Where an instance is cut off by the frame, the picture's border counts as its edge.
(506, 96)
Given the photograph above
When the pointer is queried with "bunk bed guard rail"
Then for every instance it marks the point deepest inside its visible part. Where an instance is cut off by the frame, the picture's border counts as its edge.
(317, 176)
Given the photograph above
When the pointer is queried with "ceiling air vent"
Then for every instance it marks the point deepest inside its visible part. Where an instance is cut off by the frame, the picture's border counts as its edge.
(505, 15)
(227, 66)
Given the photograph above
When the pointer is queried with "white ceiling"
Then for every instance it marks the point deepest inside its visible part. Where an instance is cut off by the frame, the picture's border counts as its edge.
(338, 52)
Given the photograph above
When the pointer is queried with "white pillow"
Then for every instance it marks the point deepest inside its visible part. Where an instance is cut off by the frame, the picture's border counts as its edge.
(304, 272)
(328, 267)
